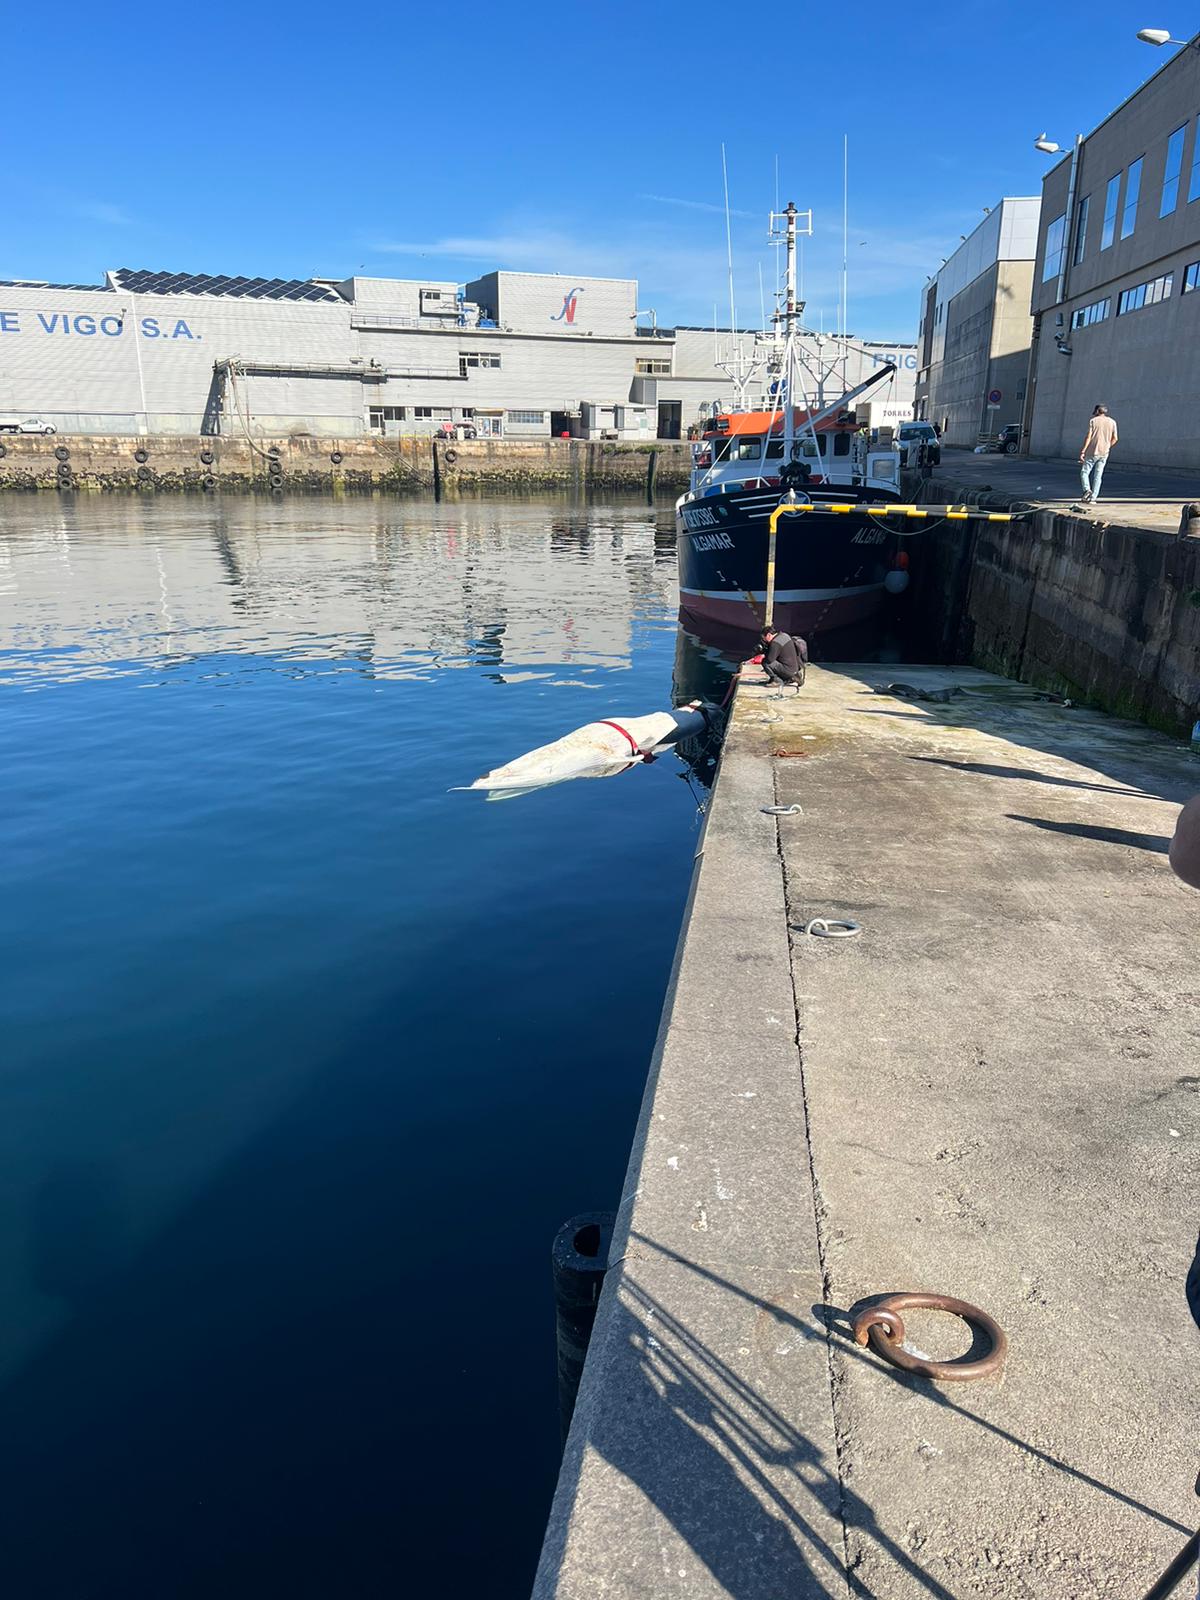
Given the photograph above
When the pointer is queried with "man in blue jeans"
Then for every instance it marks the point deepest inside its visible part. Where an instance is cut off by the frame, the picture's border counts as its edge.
(1101, 436)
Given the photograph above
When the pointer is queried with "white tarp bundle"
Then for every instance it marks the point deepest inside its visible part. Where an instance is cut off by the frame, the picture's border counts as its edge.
(597, 750)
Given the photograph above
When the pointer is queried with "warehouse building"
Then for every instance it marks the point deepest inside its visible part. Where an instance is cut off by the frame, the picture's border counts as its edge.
(976, 328)
(513, 354)
(1116, 312)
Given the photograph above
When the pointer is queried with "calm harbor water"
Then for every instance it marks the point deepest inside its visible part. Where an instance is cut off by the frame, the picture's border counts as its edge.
(304, 1058)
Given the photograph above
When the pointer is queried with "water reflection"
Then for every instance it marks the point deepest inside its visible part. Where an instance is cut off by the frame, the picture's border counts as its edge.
(289, 1029)
(131, 585)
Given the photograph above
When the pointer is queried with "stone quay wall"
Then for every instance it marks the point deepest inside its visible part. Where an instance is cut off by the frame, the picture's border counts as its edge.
(168, 463)
(1102, 613)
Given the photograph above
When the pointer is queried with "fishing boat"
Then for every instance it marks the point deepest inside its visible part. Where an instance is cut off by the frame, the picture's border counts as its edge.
(836, 558)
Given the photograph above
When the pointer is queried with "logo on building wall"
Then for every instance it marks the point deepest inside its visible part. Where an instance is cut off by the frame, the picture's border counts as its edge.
(567, 314)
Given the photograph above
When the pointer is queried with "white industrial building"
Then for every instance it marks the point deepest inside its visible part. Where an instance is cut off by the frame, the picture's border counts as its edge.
(514, 354)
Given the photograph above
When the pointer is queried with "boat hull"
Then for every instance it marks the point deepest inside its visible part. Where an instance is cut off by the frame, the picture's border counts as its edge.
(830, 567)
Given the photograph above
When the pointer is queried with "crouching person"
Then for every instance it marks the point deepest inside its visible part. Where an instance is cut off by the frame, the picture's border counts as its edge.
(784, 657)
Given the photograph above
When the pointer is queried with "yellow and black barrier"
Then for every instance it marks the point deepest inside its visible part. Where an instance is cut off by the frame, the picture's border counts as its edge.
(955, 513)
(843, 508)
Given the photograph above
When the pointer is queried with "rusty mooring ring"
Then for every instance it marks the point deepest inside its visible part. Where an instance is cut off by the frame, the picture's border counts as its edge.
(884, 1326)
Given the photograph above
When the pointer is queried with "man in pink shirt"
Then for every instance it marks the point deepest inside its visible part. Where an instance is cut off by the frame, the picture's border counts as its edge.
(1101, 436)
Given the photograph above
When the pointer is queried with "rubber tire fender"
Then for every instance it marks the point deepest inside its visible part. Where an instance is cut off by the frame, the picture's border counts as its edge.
(449, 457)
(62, 453)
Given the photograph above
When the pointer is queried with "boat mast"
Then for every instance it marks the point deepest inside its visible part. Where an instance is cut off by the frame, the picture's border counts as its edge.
(793, 223)
(789, 303)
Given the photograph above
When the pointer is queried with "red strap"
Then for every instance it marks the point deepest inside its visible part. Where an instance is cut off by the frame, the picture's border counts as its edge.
(633, 744)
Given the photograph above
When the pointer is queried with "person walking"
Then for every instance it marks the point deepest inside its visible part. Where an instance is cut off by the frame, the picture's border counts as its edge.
(1101, 436)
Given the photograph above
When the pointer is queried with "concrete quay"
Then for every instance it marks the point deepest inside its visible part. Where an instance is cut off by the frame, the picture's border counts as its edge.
(992, 1093)
(1134, 497)
(1096, 608)
(308, 464)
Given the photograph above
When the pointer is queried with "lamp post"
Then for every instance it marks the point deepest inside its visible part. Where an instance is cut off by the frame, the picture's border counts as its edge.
(1161, 36)
(1051, 147)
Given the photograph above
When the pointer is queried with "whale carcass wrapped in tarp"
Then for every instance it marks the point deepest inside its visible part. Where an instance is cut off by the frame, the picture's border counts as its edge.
(598, 749)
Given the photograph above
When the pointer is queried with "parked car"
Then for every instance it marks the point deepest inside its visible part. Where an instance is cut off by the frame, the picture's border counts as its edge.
(914, 434)
(456, 430)
(26, 425)
(1008, 442)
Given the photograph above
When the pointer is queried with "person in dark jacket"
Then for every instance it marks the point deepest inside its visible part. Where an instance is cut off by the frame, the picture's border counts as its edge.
(783, 656)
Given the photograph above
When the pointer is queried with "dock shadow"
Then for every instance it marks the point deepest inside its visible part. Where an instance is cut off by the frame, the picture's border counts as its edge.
(1086, 830)
(1028, 775)
(744, 1487)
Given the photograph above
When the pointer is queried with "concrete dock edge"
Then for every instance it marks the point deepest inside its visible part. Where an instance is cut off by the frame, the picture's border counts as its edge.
(991, 1094)
(705, 1401)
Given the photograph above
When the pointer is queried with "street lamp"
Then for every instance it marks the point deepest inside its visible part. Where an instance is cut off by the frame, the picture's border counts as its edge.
(1047, 146)
(1161, 36)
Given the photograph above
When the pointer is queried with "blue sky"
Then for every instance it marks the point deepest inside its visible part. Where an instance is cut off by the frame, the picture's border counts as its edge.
(443, 141)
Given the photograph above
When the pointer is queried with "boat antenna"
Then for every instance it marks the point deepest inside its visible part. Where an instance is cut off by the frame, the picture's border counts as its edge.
(728, 240)
(845, 232)
(762, 305)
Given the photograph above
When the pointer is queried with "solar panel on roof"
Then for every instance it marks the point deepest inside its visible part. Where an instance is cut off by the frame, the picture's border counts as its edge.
(143, 281)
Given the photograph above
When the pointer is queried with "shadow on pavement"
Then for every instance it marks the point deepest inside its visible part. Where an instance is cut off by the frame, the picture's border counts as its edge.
(746, 1488)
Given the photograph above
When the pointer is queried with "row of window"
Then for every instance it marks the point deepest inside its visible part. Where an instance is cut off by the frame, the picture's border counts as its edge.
(654, 368)
(381, 414)
(1145, 294)
(1141, 294)
(751, 449)
(1126, 213)
(1086, 315)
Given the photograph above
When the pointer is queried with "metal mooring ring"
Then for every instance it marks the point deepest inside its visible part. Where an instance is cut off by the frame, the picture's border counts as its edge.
(832, 928)
(884, 1326)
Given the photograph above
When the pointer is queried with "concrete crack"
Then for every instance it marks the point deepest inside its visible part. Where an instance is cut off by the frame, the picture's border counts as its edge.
(820, 1216)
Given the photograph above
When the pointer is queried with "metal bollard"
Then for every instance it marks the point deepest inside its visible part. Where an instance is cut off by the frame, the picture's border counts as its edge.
(1189, 521)
(579, 1259)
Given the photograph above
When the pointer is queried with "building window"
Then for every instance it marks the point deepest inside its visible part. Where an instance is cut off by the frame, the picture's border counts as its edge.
(1191, 277)
(476, 358)
(378, 415)
(1174, 166)
(1055, 239)
(1132, 184)
(467, 413)
(1145, 294)
(432, 413)
(1081, 216)
(1194, 181)
(537, 417)
(1086, 315)
(653, 369)
(1110, 211)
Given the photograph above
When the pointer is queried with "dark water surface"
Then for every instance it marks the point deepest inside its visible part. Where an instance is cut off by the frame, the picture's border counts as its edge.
(303, 1059)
